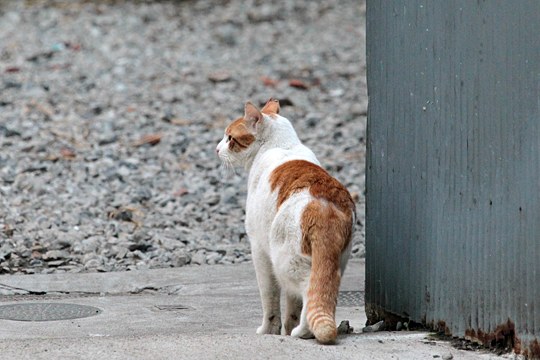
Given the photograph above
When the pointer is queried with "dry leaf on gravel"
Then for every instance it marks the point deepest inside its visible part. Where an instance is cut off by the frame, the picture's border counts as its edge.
(67, 153)
(181, 192)
(267, 81)
(182, 122)
(12, 69)
(151, 139)
(299, 84)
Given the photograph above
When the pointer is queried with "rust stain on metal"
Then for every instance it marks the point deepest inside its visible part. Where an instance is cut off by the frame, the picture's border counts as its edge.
(504, 337)
(442, 327)
(533, 352)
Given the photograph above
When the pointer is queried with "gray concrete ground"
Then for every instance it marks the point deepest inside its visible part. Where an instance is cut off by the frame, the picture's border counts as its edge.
(207, 312)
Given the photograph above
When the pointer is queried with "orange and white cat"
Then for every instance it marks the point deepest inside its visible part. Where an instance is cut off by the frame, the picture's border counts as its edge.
(299, 220)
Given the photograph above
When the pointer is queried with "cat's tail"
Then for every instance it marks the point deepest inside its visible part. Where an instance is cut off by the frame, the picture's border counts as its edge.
(328, 234)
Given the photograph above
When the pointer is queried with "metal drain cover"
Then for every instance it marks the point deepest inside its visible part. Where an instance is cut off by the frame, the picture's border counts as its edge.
(350, 298)
(46, 311)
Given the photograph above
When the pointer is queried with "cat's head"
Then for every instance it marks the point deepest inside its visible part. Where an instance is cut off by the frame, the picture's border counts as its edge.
(243, 136)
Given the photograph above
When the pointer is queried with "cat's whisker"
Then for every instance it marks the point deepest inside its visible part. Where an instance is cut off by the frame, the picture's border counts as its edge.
(227, 169)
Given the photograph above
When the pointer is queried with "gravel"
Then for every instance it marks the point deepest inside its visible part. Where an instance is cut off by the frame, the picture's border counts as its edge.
(110, 112)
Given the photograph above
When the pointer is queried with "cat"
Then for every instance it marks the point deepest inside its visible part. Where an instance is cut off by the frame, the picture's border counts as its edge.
(299, 221)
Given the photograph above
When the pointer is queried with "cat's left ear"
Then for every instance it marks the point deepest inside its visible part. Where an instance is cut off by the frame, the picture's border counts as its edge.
(252, 116)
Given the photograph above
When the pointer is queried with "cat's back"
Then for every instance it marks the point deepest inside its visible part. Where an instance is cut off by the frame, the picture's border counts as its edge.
(272, 159)
(299, 175)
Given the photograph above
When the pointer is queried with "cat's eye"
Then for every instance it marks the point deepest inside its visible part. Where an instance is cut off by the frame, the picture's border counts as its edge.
(230, 138)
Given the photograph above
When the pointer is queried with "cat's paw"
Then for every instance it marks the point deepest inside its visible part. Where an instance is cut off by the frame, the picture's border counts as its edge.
(270, 327)
(289, 325)
(302, 332)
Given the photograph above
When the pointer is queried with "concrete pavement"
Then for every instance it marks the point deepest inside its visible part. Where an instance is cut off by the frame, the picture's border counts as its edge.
(206, 312)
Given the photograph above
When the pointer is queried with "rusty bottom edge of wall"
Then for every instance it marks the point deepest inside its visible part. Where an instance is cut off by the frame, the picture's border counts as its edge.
(503, 338)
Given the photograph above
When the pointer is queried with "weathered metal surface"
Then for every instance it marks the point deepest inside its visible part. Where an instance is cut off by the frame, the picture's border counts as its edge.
(46, 311)
(453, 189)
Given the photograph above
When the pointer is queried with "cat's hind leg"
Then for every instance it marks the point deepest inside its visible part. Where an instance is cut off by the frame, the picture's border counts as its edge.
(293, 310)
(270, 294)
(302, 330)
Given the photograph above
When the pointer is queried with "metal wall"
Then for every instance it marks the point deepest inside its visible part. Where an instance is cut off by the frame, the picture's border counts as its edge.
(453, 171)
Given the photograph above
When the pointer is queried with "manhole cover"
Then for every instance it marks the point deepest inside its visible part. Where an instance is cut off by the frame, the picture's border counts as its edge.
(46, 311)
(350, 298)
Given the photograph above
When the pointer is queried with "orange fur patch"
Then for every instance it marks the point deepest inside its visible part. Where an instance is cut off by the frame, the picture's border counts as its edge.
(326, 225)
(325, 221)
(334, 205)
(296, 175)
(241, 137)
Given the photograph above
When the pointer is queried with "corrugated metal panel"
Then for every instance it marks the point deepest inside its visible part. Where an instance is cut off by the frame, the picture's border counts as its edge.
(453, 178)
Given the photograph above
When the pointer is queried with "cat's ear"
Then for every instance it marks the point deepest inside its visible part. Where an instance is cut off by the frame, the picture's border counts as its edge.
(252, 116)
(271, 107)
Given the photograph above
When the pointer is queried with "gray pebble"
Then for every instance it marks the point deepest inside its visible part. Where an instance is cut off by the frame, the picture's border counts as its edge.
(229, 196)
(107, 138)
(56, 263)
(213, 258)
(179, 258)
(227, 34)
(5, 252)
(199, 258)
(55, 255)
(212, 199)
(121, 253)
(345, 328)
(92, 264)
(141, 195)
(375, 327)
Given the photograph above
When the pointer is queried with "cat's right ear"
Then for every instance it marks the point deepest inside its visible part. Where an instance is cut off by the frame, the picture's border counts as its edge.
(252, 116)
(271, 107)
